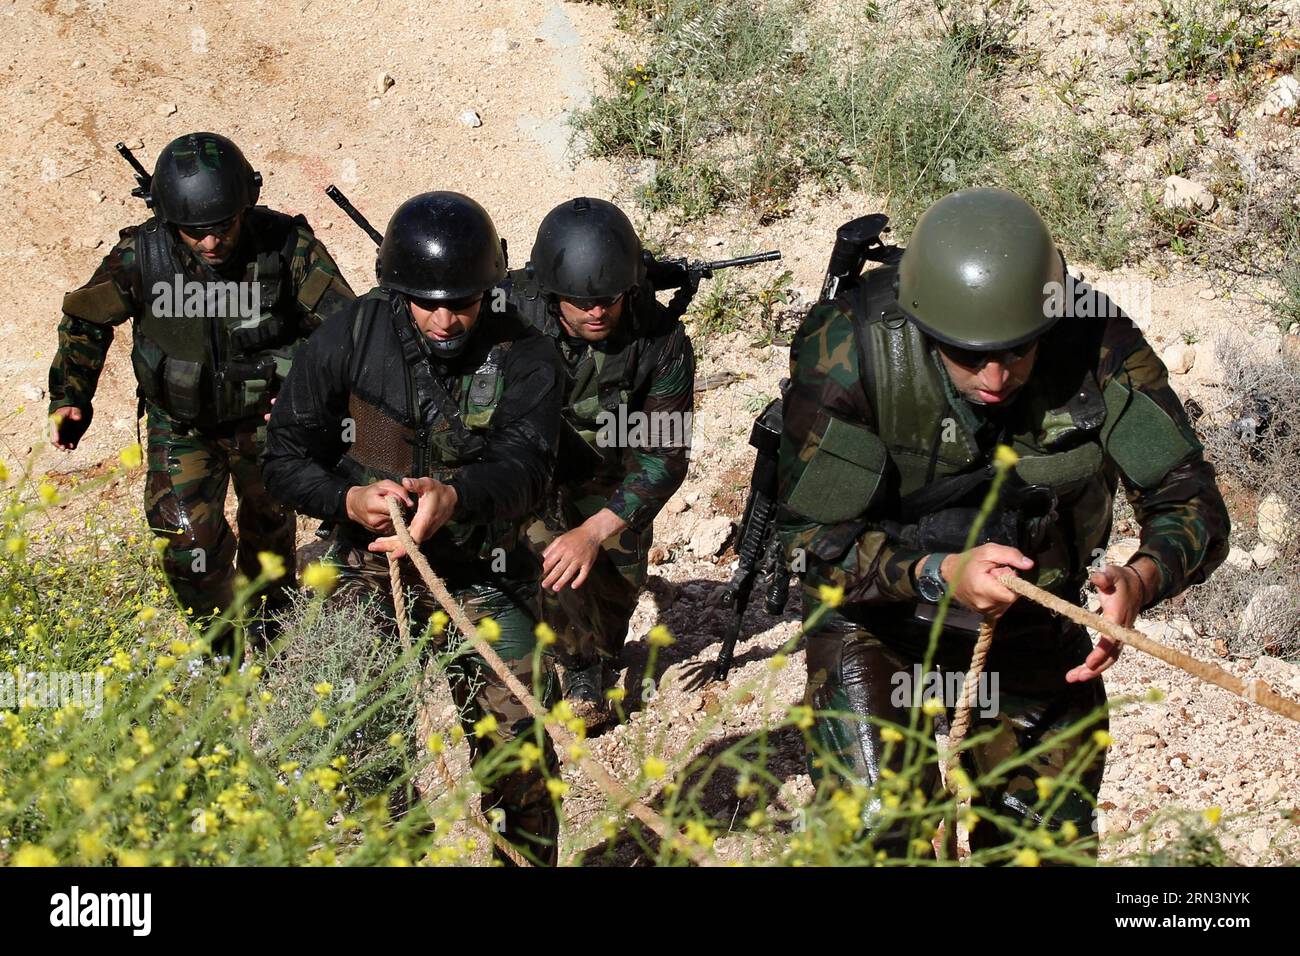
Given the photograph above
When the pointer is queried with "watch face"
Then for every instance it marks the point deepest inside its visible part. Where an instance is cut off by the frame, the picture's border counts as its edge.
(931, 589)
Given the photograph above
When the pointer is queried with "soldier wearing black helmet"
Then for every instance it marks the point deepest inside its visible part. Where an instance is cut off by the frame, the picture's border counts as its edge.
(222, 291)
(432, 390)
(902, 388)
(626, 438)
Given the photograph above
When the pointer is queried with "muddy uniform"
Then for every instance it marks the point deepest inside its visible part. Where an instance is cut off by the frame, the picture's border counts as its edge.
(206, 368)
(367, 400)
(873, 422)
(627, 410)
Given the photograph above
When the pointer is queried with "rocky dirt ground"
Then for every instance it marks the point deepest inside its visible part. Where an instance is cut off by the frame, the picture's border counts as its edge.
(390, 98)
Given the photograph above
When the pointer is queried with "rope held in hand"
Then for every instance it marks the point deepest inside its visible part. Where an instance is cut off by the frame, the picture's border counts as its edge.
(1255, 691)
(564, 740)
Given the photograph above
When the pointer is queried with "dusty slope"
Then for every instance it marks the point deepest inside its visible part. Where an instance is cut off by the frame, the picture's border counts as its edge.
(298, 86)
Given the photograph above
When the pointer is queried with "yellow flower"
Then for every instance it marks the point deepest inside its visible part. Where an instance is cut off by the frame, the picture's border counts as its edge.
(654, 768)
(802, 716)
(4, 472)
(545, 635)
(1004, 457)
(755, 819)
(697, 832)
(890, 735)
(130, 456)
(318, 718)
(1102, 739)
(932, 707)
(439, 621)
(830, 595)
(90, 846)
(489, 630)
(289, 766)
(616, 694)
(435, 743)
(577, 752)
(660, 637)
(272, 564)
(485, 726)
(165, 661)
(29, 855)
(320, 577)
(1045, 787)
(323, 688)
(132, 858)
(778, 662)
(557, 787)
(1027, 856)
(395, 740)
(48, 493)
(56, 759)
(529, 754)
(1069, 831)
(1212, 815)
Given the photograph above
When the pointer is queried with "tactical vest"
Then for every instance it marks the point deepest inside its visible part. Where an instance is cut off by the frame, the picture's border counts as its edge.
(1055, 425)
(602, 381)
(205, 349)
(443, 427)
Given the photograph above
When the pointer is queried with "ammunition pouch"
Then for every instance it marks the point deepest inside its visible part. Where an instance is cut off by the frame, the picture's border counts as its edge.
(844, 474)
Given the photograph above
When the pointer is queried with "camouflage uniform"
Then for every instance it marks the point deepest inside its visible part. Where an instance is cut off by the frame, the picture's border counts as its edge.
(193, 455)
(370, 369)
(872, 418)
(648, 366)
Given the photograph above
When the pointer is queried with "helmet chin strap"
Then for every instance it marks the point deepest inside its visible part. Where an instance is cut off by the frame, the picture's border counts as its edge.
(442, 348)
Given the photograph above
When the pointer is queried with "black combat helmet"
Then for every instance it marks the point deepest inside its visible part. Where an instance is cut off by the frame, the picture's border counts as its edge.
(981, 271)
(443, 246)
(587, 249)
(202, 179)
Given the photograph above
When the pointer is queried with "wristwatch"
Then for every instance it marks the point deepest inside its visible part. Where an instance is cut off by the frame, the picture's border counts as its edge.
(929, 581)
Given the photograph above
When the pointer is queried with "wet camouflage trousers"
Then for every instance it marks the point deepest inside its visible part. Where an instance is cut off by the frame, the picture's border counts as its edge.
(189, 474)
(591, 622)
(852, 676)
(530, 820)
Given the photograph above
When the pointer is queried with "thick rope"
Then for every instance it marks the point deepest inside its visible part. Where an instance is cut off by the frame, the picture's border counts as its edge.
(1255, 691)
(564, 740)
(423, 729)
(961, 718)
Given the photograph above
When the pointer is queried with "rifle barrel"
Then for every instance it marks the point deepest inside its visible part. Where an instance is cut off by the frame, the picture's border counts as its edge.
(129, 156)
(772, 255)
(354, 214)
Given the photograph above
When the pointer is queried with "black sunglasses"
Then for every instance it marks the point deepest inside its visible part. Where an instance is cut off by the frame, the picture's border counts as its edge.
(975, 358)
(454, 305)
(216, 229)
(604, 301)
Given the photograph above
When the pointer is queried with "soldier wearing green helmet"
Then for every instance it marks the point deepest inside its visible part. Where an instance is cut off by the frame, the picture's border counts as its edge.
(903, 385)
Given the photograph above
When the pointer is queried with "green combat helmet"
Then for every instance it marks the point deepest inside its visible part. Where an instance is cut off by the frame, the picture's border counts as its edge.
(981, 271)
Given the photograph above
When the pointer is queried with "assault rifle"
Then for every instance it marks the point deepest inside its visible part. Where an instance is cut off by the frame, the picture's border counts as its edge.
(684, 275)
(759, 549)
(143, 178)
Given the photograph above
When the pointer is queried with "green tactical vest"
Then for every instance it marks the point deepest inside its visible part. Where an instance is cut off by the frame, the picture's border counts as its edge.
(211, 351)
(602, 379)
(444, 427)
(1055, 425)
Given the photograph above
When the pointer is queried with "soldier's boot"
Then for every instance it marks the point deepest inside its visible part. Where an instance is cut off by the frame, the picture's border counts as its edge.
(582, 684)
(528, 820)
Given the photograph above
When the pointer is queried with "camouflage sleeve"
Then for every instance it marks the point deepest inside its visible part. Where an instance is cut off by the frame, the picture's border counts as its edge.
(825, 380)
(656, 469)
(319, 286)
(1182, 515)
(90, 313)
